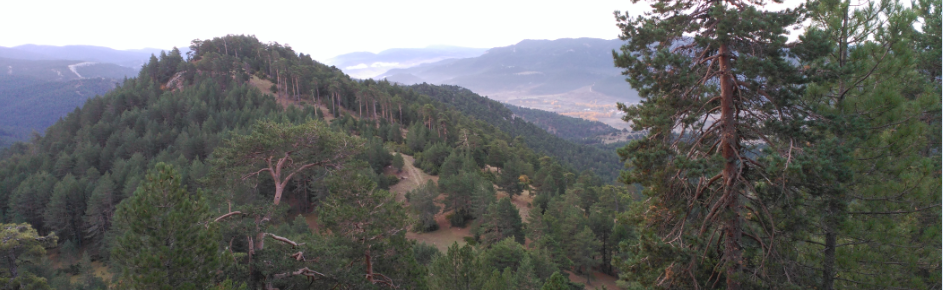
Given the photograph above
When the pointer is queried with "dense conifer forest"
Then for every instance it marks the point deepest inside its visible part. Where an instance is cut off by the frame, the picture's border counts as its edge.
(572, 155)
(767, 164)
(36, 93)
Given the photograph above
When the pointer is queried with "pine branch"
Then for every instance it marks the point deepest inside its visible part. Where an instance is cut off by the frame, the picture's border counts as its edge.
(283, 240)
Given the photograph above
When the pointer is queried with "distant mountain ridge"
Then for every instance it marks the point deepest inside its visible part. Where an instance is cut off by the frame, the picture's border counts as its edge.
(572, 76)
(132, 58)
(549, 66)
(367, 64)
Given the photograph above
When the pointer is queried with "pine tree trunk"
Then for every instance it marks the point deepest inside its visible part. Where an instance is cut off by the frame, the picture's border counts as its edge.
(828, 267)
(278, 82)
(368, 262)
(828, 263)
(279, 189)
(11, 258)
(730, 143)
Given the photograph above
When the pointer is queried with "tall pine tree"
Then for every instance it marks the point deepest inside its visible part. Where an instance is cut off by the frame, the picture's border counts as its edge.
(717, 90)
(165, 242)
(874, 113)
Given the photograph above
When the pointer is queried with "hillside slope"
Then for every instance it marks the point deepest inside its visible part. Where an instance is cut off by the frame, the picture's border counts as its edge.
(78, 178)
(576, 156)
(36, 93)
(566, 127)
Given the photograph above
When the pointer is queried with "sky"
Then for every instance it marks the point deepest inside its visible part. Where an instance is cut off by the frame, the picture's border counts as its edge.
(323, 29)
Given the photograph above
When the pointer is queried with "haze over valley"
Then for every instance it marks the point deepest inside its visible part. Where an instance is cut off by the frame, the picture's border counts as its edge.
(573, 77)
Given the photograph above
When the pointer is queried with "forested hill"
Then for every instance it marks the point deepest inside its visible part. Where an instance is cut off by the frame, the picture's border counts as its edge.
(577, 156)
(36, 93)
(565, 127)
(189, 136)
(31, 106)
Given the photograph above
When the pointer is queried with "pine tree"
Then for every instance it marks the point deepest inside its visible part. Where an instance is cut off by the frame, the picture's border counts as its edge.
(500, 280)
(101, 207)
(556, 282)
(457, 269)
(452, 164)
(370, 220)
(715, 84)
(398, 162)
(501, 220)
(283, 151)
(30, 198)
(509, 179)
(467, 194)
(526, 276)
(422, 201)
(506, 253)
(582, 250)
(21, 245)
(164, 242)
(866, 108)
(64, 211)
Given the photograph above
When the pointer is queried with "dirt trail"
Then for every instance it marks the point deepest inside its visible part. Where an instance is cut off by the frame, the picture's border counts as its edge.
(410, 179)
(522, 202)
(73, 66)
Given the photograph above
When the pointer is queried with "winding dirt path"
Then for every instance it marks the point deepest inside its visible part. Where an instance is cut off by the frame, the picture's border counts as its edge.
(73, 66)
(410, 179)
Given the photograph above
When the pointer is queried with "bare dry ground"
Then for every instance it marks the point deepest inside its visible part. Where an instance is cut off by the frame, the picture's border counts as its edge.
(412, 177)
(522, 202)
(285, 101)
(599, 279)
(101, 270)
(444, 236)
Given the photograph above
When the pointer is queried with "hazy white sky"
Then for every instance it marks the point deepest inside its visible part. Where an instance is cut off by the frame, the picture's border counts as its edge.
(321, 28)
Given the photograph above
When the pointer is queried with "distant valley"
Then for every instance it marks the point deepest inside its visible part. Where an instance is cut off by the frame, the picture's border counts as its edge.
(40, 84)
(573, 77)
(133, 58)
(365, 65)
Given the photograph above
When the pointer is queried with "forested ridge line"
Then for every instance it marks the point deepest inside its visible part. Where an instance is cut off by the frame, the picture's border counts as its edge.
(184, 127)
(767, 163)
